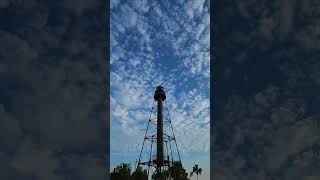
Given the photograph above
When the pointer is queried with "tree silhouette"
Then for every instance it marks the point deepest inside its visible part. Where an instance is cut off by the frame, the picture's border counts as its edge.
(196, 170)
(139, 174)
(157, 175)
(121, 172)
(175, 172)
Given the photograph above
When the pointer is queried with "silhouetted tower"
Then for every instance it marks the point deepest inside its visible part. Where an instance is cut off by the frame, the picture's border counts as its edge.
(159, 132)
(160, 96)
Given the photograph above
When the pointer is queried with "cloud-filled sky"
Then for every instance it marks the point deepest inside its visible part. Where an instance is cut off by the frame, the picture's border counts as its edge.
(52, 122)
(266, 100)
(153, 43)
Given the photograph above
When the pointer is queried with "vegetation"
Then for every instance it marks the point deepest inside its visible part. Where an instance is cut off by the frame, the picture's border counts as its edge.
(175, 172)
(139, 174)
(121, 172)
(196, 170)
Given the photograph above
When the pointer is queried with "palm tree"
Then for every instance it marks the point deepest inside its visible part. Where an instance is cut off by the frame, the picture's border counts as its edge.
(196, 170)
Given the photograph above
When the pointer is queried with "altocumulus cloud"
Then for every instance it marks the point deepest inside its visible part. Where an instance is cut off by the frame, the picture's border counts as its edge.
(153, 43)
(266, 122)
(52, 80)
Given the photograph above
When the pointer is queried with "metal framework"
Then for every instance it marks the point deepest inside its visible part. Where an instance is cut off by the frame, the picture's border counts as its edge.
(159, 133)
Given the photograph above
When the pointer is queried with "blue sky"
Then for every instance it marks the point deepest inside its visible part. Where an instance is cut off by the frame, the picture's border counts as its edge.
(153, 43)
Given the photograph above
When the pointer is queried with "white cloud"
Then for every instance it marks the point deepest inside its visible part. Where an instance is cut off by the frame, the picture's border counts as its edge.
(29, 159)
(114, 3)
(128, 16)
(138, 42)
(201, 106)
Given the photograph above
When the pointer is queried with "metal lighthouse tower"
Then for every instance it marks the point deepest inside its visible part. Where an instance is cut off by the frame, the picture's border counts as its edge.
(159, 133)
(160, 96)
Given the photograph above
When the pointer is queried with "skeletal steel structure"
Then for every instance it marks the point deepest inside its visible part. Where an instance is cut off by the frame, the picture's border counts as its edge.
(159, 132)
